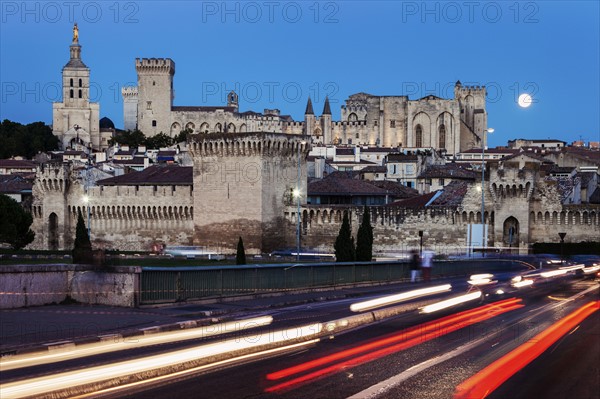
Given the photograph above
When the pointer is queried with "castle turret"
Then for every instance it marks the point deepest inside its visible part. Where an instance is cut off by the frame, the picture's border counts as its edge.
(471, 101)
(130, 104)
(247, 181)
(326, 122)
(309, 118)
(155, 94)
(232, 100)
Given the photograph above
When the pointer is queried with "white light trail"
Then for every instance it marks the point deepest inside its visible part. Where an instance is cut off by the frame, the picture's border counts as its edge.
(523, 283)
(391, 299)
(119, 344)
(451, 302)
(41, 385)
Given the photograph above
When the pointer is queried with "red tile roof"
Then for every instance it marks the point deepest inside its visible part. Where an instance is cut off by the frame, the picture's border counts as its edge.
(154, 175)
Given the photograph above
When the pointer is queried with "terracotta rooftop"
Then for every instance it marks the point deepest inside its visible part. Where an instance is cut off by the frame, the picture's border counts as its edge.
(395, 189)
(154, 175)
(12, 184)
(450, 170)
(450, 196)
(332, 185)
(401, 158)
(201, 108)
(17, 163)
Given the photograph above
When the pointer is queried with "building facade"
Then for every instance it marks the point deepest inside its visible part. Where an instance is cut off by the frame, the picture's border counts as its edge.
(449, 125)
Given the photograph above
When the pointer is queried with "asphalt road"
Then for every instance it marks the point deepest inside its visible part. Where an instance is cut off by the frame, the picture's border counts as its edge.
(568, 369)
(414, 355)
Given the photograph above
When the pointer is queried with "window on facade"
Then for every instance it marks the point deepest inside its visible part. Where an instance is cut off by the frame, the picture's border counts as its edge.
(71, 83)
(71, 93)
(441, 182)
(393, 123)
(349, 141)
(153, 83)
(80, 83)
(427, 181)
(79, 93)
(374, 123)
(409, 184)
(357, 135)
(442, 137)
(148, 104)
(419, 136)
(153, 123)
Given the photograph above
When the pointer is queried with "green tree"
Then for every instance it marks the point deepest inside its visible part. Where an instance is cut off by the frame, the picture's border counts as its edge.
(82, 249)
(25, 140)
(364, 238)
(14, 223)
(344, 243)
(158, 141)
(240, 257)
(182, 136)
(131, 138)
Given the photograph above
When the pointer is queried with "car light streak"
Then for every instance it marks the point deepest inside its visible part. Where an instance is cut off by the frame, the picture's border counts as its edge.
(137, 342)
(554, 273)
(182, 373)
(451, 302)
(490, 378)
(591, 269)
(481, 279)
(522, 283)
(400, 341)
(391, 299)
(45, 384)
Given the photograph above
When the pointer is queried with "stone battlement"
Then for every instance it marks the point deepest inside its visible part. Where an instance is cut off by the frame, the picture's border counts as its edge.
(129, 91)
(248, 144)
(155, 65)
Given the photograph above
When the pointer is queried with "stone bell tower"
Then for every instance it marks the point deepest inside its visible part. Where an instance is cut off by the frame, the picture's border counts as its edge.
(75, 120)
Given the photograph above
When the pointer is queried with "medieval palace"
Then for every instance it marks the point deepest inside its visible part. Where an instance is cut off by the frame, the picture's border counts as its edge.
(244, 166)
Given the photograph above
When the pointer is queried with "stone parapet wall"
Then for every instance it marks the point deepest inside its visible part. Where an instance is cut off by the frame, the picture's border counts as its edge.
(37, 285)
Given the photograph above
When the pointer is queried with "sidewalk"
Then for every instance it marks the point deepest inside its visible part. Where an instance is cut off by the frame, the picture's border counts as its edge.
(46, 327)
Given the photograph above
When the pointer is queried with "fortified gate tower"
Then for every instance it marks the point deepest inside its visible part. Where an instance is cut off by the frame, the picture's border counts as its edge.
(243, 184)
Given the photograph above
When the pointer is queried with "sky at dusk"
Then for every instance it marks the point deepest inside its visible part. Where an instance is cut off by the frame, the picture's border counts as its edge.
(275, 54)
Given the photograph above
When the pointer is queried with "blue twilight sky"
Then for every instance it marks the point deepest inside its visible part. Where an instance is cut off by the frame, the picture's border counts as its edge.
(277, 53)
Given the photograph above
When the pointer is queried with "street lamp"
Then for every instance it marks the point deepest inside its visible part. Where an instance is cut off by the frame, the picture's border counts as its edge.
(297, 195)
(483, 240)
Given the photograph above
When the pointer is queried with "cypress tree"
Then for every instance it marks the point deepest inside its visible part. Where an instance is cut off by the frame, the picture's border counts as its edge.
(240, 257)
(82, 250)
(364, 238)
(344, 243)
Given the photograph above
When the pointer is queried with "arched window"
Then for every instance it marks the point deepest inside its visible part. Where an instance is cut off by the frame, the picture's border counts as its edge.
(71, 93)
(79, 93)
(80, 83)
(352, 117)
(442, 137)
(71, 82)
(418, 136)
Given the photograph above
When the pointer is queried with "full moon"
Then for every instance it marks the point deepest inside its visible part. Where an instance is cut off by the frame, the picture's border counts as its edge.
(524, 100)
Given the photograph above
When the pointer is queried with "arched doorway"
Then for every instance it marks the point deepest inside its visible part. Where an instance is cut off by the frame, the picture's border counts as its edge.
(510, 235)
(53, 232)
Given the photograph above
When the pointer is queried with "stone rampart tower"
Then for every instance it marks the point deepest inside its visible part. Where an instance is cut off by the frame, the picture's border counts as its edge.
(155, 94)
(471, 100)
(243, 183)
(50, 216)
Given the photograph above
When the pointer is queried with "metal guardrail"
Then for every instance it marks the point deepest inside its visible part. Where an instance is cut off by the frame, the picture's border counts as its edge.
(174, 284)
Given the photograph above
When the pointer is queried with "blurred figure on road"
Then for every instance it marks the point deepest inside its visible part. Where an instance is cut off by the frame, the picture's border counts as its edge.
(426, 265)
(415, 265)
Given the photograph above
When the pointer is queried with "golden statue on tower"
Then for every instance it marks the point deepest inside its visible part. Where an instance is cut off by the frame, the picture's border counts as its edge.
(75, 33)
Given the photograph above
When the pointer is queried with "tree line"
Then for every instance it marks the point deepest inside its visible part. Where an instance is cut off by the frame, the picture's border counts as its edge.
(137, 138)
(26, 140)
